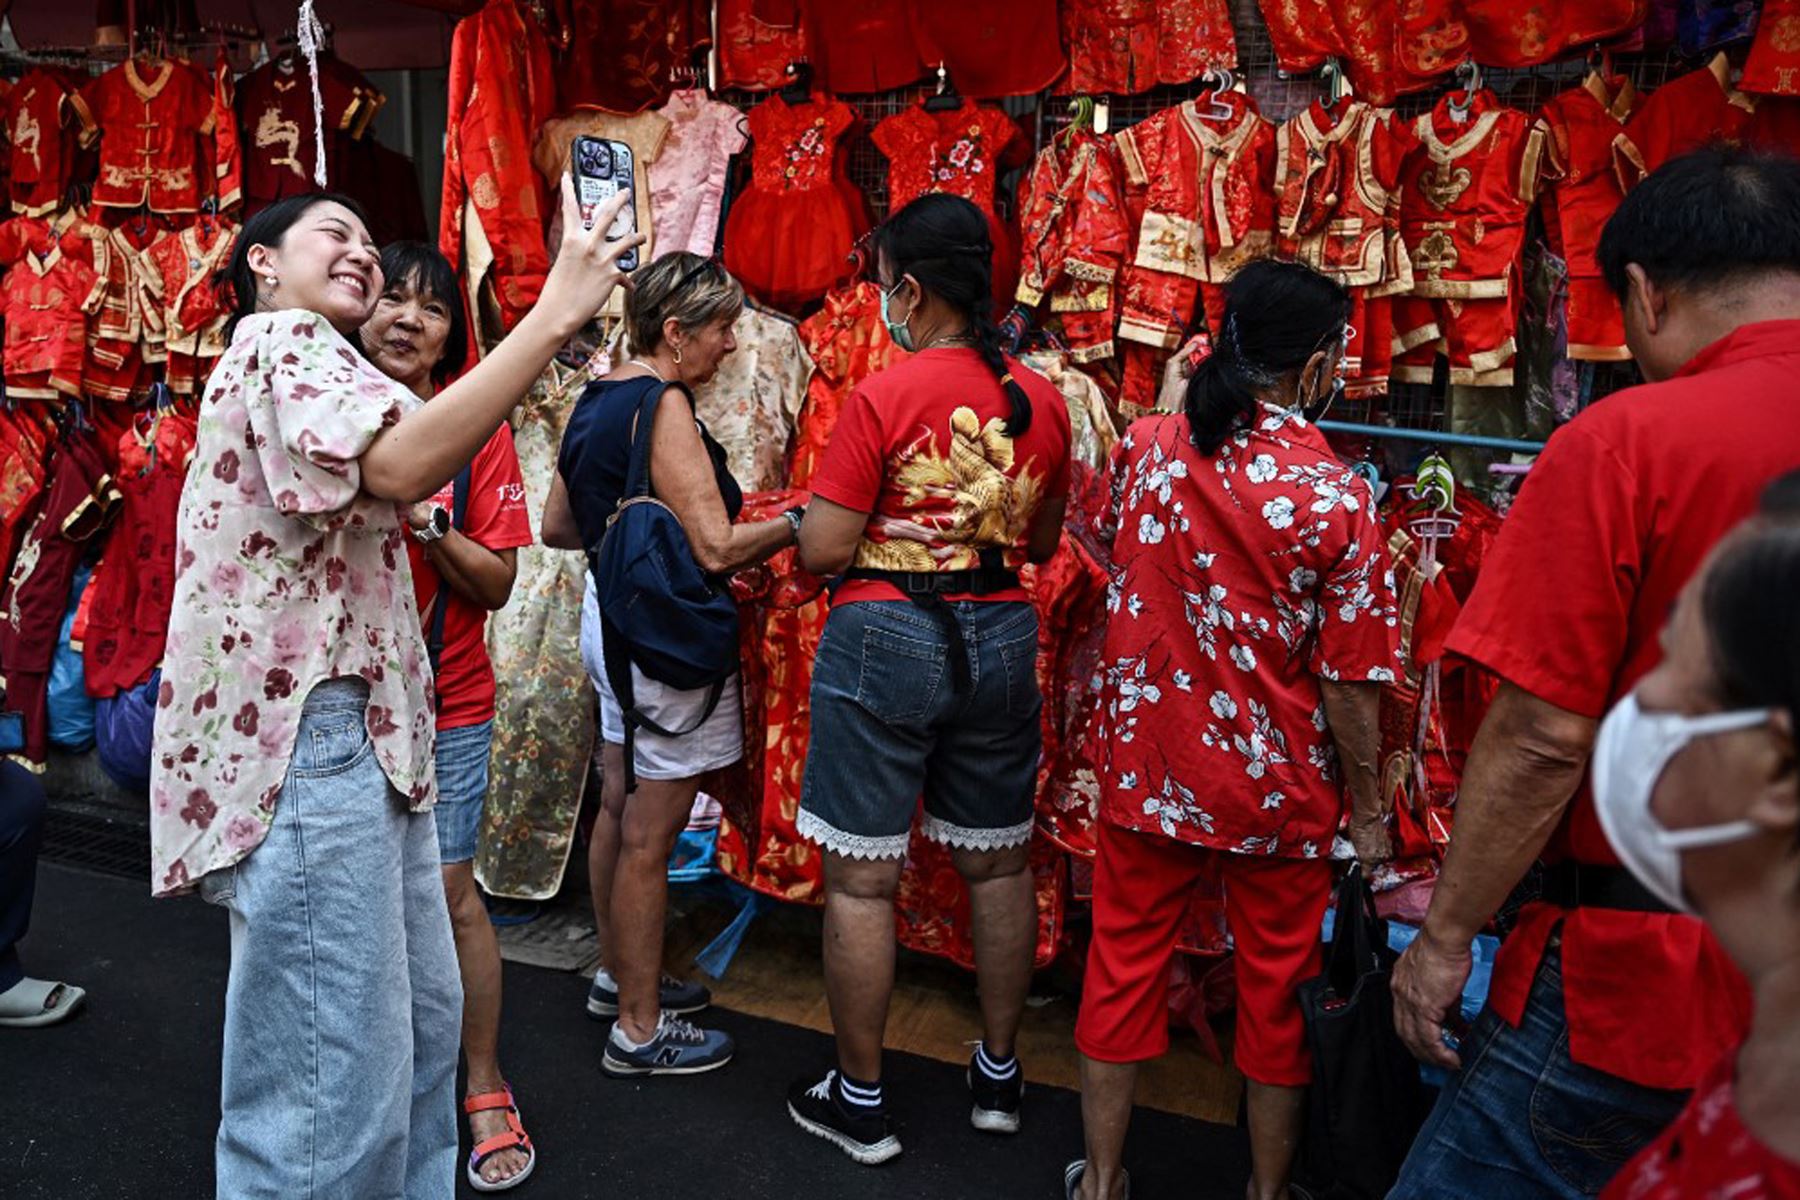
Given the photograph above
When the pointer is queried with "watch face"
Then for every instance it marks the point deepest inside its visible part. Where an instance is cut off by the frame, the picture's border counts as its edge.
(440, 521)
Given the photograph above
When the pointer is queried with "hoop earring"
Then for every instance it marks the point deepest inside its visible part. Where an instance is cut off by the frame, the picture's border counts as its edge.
(678, 356)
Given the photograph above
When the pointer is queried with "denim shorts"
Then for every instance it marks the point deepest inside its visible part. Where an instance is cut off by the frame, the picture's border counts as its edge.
(462, 776)
(888, 726)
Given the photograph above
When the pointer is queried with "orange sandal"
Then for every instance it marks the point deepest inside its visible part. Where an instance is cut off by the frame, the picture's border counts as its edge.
(515, 1138)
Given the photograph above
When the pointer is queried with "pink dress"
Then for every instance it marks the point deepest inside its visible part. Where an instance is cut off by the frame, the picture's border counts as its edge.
(687, 180)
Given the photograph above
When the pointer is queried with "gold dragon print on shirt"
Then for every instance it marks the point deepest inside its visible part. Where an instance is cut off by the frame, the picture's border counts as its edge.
(966, 498)
(272, 130)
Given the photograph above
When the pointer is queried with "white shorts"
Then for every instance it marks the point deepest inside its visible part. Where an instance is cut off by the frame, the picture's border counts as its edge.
(718, 742)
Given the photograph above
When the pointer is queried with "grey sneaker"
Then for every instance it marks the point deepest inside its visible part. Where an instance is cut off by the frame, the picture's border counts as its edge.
(678, 996)
(677, 1049)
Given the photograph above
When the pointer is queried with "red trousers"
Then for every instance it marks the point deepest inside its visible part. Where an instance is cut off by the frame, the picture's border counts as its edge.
(1274, 908)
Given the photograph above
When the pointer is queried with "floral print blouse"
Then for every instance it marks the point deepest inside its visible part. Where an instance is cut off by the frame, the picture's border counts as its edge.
(287, 574)
(1239, 582)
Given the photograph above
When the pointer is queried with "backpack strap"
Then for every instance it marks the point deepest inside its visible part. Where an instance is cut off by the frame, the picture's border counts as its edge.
(459, 508)
(637, 467)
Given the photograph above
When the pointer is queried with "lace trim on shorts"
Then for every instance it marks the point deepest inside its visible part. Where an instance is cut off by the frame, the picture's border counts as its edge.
(945, 834)
(849, 845)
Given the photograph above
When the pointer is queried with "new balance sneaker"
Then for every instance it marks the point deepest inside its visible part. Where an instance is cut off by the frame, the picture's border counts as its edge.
(678, 1048)
(996, 1108)
(678, 996)
(867, 1139)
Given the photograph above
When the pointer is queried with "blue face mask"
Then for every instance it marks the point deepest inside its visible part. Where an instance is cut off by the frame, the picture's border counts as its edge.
(898, 331)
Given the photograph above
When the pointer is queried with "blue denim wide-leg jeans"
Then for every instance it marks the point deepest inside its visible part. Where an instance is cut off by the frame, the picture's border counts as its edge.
(344, 1008)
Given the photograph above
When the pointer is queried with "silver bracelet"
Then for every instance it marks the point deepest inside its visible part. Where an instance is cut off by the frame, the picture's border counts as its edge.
(793, 520)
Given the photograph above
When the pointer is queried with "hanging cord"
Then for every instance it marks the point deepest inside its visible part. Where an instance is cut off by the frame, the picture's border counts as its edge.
(311, 36)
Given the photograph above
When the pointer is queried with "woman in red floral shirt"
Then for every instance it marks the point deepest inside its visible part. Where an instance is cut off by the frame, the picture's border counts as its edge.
(1253, 619)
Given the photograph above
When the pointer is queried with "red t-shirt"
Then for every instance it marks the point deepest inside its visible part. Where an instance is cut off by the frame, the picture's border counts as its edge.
(496, 518)
(924, 441)
(1708, 1152)
(1615, 517)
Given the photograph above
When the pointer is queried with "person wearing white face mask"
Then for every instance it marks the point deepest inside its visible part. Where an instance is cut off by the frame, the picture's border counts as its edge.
(1607, 1005)
(1698, 791)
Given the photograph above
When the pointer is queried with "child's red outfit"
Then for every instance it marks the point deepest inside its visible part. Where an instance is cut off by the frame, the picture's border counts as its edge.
(185, 305)
(1682, 115)
(77, 503)
(1774, 63)
(1208, 208)
(1337, 183)
(1467, 192)
(789, 236)
(991, 47)
(1129, 46)
(45, 298)
(962, 152)
(37, 119)
(754, 48)
(133, 588)
(155, 135)
(1075, 236)
(1581, 187)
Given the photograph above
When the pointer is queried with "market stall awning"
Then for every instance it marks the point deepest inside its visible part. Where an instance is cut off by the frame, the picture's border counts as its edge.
(375, 35)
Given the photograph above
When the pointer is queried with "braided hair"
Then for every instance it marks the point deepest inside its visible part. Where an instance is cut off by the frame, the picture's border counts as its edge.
(943, 242)
(1277, 316)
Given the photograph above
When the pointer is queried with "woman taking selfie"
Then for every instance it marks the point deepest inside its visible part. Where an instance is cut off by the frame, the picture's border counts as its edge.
(678, 318)
(463, 553)
(293, 776)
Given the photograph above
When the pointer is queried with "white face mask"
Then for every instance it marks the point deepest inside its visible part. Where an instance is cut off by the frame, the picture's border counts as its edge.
(1630, 755)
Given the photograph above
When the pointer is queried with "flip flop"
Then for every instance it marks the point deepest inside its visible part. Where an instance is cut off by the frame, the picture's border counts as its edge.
(28, 1004)
(515, 1138)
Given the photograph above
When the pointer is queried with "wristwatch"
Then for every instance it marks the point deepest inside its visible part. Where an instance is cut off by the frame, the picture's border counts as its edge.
(436, 527)
(793, 516)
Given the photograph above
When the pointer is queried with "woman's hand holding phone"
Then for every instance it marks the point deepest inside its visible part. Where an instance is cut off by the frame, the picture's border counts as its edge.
(586, 269)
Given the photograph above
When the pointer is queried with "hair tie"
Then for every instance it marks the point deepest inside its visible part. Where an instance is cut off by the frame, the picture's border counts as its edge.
(1006, 379)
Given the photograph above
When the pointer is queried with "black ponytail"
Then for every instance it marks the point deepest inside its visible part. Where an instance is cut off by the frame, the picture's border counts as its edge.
(942, 241)
(1277, 316)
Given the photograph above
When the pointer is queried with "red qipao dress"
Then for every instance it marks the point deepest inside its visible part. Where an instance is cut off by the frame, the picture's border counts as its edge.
(789, 236)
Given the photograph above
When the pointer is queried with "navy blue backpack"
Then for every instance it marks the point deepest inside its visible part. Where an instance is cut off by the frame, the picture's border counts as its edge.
(659, 611)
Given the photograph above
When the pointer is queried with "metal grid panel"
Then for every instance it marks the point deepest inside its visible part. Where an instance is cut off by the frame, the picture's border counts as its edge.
(1279, 97)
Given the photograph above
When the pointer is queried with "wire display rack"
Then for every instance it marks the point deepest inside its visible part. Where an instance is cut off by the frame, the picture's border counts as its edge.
(1279, 96)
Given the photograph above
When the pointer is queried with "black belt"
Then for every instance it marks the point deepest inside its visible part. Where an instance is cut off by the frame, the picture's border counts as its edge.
(927, 590)
(1578, 885)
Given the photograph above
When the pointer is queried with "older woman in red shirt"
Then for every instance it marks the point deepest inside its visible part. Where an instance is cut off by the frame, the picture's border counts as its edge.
(1253, 620)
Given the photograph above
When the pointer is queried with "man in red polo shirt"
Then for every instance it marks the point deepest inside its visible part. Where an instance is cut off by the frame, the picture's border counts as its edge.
(1605, 1007)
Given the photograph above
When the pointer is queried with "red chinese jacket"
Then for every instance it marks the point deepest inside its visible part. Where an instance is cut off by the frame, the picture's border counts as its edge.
(155, 135)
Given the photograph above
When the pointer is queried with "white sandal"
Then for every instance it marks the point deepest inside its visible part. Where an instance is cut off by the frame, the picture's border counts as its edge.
(32, 1003)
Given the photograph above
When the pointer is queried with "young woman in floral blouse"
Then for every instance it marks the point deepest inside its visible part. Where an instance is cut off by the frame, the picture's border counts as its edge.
(293, 780)
(1252, 620)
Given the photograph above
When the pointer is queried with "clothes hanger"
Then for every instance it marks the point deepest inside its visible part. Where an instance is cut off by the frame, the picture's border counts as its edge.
(1081, 117)
(1337, 83)
(1217, 81)
(1469, 71)
(946, 99)
(798, 89)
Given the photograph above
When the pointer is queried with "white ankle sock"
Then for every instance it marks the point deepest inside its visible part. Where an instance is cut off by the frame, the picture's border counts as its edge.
(604, 978)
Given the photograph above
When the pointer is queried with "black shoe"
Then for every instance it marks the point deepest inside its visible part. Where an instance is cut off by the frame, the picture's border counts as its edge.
(996, 1100)
(814, 1107)
(679, 997)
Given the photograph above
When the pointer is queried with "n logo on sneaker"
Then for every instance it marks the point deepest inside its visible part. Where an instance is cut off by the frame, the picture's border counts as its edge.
(668, 1056)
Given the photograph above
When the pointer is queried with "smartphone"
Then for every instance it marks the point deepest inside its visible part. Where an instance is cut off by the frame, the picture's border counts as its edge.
(603, 168)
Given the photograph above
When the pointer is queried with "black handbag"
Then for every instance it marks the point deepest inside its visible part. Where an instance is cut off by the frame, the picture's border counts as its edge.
(1367, 1100)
